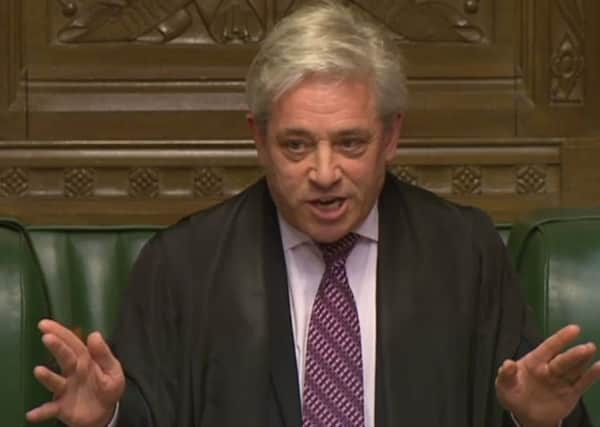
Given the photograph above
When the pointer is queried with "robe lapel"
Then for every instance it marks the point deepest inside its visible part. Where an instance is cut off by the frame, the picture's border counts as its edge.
(284, 376)
(251, 374)
(396, 270)
(425, 304)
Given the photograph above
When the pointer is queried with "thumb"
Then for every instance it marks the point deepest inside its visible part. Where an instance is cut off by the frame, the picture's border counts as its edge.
(101, 354)
(507, 375)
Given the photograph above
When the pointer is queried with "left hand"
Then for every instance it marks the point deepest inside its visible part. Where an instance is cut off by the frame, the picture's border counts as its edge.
(544, 386)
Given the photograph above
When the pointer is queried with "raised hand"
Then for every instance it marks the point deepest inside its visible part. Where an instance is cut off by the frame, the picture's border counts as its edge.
(90, 384)
(545, 385)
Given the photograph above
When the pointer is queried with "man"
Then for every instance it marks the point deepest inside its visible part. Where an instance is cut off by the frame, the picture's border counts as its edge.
(329, 293)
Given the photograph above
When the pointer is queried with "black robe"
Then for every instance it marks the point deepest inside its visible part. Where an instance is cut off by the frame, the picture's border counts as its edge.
(205, 334)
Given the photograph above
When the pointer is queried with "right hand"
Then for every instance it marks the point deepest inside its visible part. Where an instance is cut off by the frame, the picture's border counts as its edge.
(91, 380)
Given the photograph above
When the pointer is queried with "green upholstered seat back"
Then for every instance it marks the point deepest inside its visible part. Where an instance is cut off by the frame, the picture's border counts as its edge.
(557, 255)
(22, 305)
(86, 269)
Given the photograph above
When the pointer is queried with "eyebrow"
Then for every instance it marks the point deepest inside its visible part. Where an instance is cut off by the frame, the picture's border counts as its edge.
(353, 133)
(344, 133)
(297, 132)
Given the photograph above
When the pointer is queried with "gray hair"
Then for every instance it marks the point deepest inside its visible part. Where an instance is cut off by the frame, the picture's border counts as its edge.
(326, 38)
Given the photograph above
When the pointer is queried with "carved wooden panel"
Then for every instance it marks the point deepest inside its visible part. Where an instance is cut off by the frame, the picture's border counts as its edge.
(247, 21)
(12, 98)
(560, 64)
(507, 181)
(95, 65)
(163, 21)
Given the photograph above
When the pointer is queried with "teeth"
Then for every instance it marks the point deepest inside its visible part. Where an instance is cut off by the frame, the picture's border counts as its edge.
(327, 201)
(330, 204)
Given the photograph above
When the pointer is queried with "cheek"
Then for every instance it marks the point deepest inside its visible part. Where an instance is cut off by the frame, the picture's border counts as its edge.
(288, 180)
(366, 172)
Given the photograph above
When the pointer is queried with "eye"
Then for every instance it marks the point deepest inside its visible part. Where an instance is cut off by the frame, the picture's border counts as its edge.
(352, 146)
(296, 147)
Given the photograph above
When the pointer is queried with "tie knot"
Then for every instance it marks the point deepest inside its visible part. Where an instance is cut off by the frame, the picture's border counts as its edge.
(339, 250)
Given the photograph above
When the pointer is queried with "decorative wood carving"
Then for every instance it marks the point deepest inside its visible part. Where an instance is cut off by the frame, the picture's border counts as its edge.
(559, 63)
(480, 180)
(406, 174)
(471, 6)
(567, 62)
(426, 21)
(236, 21)
(466, 180)
(184, 176)
(245, 21)
(69, 8)
(13, 182)
(530, 180)
(79, 182)
(143, 183)
(207, 182)
(160, 21)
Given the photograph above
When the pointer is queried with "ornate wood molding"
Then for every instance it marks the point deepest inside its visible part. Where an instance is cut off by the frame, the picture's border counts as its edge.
(428, 21)
(161, 21)
(559, 61)
(246, 21)
(181, 176)
(567, 34)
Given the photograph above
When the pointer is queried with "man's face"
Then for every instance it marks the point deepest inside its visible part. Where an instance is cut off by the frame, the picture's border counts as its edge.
(325, 152)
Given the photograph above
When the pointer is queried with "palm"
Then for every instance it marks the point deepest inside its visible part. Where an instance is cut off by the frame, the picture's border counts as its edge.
(91, 380)
(87, 396)
(537, 392)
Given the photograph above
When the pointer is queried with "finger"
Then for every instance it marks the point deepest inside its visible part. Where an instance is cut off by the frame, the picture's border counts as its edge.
(100, 352)
(571, 364)
(507, 375)
(64, 355)
(43, 412)
(588, 378)
(51, 380)
(547, 350)
(48, 326)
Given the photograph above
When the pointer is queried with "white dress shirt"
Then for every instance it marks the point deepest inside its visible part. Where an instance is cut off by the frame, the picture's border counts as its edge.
(305, 268)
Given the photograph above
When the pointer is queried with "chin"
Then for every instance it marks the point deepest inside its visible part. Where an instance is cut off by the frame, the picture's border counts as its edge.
(326, 234)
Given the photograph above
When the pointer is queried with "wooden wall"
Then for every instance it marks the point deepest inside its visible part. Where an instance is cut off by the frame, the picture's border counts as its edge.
(133, 110)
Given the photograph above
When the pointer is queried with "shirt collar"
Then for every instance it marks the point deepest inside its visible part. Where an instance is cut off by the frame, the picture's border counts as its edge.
(292, 237)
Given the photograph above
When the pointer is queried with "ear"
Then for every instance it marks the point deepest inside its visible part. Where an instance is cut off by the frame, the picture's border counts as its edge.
(259, 137)
(392, 138)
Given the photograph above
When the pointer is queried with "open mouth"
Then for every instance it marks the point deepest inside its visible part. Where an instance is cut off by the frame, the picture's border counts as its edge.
(329, 203)
(328, 208)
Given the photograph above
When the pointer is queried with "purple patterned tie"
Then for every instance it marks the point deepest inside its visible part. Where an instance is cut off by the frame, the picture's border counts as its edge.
(333, 375)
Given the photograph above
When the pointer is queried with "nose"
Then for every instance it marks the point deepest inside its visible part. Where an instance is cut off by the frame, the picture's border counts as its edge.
(325, 172)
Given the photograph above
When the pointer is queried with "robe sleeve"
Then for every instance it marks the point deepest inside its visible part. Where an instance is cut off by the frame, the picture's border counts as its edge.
(145, 342)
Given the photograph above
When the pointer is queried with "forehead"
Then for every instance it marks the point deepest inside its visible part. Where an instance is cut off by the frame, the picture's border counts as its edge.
(325, 102)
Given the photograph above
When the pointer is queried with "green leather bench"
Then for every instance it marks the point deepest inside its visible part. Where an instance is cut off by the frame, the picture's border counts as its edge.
(22, 304)
(75, 274)
(99, 258)
(72, 274)
(557, 255)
